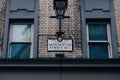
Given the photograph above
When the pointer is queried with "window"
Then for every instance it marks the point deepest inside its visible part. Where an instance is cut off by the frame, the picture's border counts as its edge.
(20, 41)
(99, 41)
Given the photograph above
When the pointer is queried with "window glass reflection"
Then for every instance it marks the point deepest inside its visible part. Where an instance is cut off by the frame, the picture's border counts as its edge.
(98, 51)
(20, 51)
(97, 32)
(21, 33)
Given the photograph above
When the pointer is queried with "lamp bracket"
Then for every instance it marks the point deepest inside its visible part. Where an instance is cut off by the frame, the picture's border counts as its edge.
(61, 17)
(59, 33)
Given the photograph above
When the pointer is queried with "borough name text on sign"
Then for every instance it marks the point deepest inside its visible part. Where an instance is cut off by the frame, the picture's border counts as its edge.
(55, 45)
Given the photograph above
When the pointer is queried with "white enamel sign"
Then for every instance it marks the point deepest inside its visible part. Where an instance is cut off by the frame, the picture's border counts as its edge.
(64, 45)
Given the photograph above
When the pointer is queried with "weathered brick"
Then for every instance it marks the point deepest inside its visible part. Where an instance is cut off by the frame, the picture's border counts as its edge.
(117, 18)
(48, 27)
(2, 22)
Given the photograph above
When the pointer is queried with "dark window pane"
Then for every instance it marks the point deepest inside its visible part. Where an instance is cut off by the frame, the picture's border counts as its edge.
(97, 31)
(20, 51)
(98, 51)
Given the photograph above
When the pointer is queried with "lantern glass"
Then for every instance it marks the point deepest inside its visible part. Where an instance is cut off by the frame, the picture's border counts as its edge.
(60, 12)
(60, 7)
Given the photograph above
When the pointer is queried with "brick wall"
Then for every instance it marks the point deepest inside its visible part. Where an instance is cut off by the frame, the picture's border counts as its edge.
(2, 21)
(48, 27)
(117, 17)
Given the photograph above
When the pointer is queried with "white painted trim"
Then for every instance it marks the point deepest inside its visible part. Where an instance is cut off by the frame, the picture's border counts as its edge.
(10, 40)
(87, 41)
(32, 39)
(109, 40)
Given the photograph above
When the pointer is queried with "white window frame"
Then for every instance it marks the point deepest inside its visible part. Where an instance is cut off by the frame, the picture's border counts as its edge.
(99, 41)
(10, 39)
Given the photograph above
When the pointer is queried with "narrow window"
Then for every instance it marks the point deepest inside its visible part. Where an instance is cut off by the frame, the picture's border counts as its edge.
(20, 41)
(99, 41)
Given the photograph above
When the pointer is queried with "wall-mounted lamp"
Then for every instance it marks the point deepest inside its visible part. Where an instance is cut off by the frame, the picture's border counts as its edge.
(60, 7)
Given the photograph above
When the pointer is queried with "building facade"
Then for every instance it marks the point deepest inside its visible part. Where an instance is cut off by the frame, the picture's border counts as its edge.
(26, 28)
(72, 27)
(47, 27)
